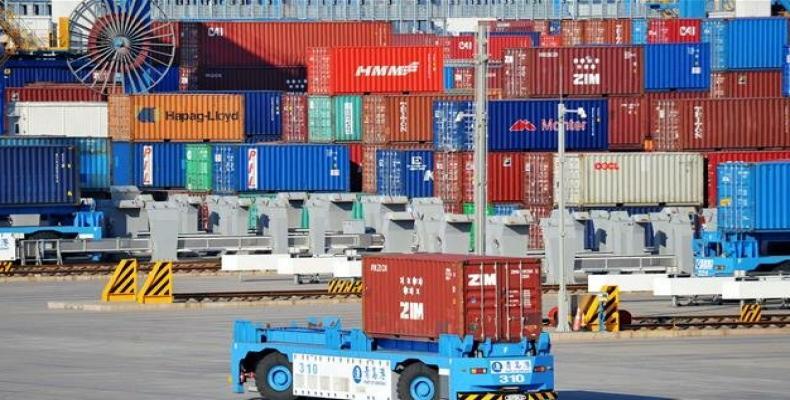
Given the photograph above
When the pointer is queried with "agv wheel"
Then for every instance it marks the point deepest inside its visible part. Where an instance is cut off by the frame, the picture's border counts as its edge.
(418, 382)
(274, 377)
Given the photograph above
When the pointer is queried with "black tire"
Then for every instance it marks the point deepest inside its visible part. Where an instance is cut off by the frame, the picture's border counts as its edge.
(417, 371)
(265, 365)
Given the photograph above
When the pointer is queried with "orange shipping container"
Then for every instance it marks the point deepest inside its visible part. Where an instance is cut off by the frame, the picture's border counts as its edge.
(187, 117)
(388, 119)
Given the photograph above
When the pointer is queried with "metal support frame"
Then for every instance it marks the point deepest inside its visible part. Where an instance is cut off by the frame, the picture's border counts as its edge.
(481, 139)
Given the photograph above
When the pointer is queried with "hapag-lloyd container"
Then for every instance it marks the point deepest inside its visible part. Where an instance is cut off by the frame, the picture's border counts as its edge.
(187, 117)
(294, 117)
(505, 177)
(369, 161)
(235, 168)
(304, 167)
(199, 166)
(753, 197)
(629, 122)
(334, 119)
(93, 153)
(391, 119)
(677, 66)
(714, 159)
(746, 84)
(66, 92)
(532, 125)
(158, 165)
(674, 30)
(710, 124)
(538, 179)
(424, 296)
(288, 78)
(39, 175)
(356, 70)
(615, 179)
(267, 43)
(404, 173)
(451, 132)
(450, 179)
(575, 71)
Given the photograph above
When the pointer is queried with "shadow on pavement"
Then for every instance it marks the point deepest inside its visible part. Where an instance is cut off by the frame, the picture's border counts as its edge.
(590, 395)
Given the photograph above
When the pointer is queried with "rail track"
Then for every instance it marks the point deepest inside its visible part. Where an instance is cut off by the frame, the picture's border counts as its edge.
(249, 296)
(687, 322)
(102, 269)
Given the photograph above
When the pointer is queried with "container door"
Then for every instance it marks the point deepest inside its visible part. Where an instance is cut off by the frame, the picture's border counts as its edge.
(521, 312)
(482, 301)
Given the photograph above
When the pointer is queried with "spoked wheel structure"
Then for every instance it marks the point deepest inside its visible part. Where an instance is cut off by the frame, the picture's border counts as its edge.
(116, 43)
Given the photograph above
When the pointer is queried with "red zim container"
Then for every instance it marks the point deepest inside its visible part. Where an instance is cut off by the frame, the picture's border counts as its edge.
(714, 159)
(267, 44)
(710, 124)
(294, 117)
(586, 71)
(572, 32)
(538, 179)
(449, 179)
(355, 70)
(505, 177)
(424, 296)
(674, 30)
(67, 92)
(498, 44)
(629, 122)
(746, 84)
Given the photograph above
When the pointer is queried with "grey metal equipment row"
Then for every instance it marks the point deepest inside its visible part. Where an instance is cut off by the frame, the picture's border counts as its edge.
(619, 240)
(395, 10)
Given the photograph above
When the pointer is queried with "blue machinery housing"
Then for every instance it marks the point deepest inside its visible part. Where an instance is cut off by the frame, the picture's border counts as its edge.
(333, 363)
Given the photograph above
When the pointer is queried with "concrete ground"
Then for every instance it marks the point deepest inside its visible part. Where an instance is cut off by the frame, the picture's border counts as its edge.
(183, 354)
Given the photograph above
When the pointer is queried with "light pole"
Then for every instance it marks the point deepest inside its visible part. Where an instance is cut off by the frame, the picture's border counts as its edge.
(562, 294)
(481, 138)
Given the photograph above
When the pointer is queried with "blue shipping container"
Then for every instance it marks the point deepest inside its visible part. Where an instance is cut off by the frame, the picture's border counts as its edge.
(755, 43)
(235, 168)
(158, 165)
(713, 33)
(121, 164)
(684, 66)
(40, 175)
(517, 125)
(451, 132)
(404, 173)
(639, 31)
(786, 74)
(753, 196)
(94, 156)
(304, 167)
(262, 114)
(168, 83)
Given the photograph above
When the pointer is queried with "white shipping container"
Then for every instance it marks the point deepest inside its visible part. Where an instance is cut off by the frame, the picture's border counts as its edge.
(639, 179)
(58, 119)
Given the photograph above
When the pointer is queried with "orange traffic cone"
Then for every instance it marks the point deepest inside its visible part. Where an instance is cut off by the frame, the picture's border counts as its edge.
(577, 320)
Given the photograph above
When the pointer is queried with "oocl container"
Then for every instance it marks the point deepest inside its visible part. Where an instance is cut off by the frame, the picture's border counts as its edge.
(424, 296)
(199, 167)
(187, 117)
(714, 159)
(746, 84)
(751, 197)
(57, 119)
(674, 30)
(334, 119)
(267, 43)
(93, 156)
(158, 165)
(453, 126)
(392, 119)
(677, 67)
(404, 173)
(294, 117)
(629, 122)
(637, 179)
(235, 168)
(576, 71)
(39, 176)
(357, 70)
(532, 125)
(304, 167)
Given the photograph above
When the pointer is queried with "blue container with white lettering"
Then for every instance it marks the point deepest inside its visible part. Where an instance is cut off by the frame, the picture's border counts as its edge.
(639, 31)
(235, 168)
(786, 73)
(158, 165)
(453, 125)
(753, 196)
(404, 173)
(681, 66)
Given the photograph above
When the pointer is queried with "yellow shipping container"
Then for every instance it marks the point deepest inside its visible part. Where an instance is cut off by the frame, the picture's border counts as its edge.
(187, 117)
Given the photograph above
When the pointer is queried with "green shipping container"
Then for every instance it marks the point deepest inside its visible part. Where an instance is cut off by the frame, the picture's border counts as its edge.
(348, 118)
(199, 167)
(319, 119)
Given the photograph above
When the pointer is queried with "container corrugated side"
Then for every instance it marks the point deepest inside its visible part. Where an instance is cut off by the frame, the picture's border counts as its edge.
(262, 116)
(485, 297)
(755, 43)
(187, 117)
(615, 179)
(290, 78)
(121, 164)
(786, 73)
(119, 111)
(319, 119)
(714, 32)
(57, 119)
(93, 153)
(450, 133)
(400, 118)
(18, 73)
(304, 167)
(199, 166)
(159, 165)
(404, 173)
(629, 122)
(715, 158)
(235, 168)
(673, 30)
(40, 175)
(369, 162)
(746, 84)
(347, 118)
(532, 125)
(294, 117)
(639, 31)
(677, 66)
(69, 92)
(538, 179)
(505, 177)
(448, 175)
(737, 196)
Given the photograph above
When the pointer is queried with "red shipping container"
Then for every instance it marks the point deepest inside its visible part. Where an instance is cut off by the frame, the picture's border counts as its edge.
(538, 179)
(356, 158)
(517, 26)
(417, 39)
(535, 231)
(52, 92)
(550, 41)
(674, 30)
(464, 79)
(714, 159)
(594, 32)
(390, 119)
(629, 122)
(294, 117)
(461, 47)
(292, 79)
(710, 124)
(746, 84)
(426, 295)
(498, 44)
(618, 31)
(505, 177)
(354, 70)
(654, 141)
(268, 44)
(448, 175)
(585, 71)
(572, 32)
